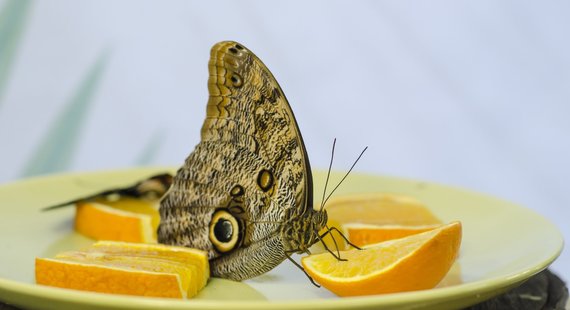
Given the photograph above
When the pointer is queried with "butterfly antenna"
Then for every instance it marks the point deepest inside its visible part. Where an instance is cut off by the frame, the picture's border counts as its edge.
(328, 175)
(349, 170)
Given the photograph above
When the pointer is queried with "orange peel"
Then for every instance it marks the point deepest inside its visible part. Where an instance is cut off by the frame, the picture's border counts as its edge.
(415, 262)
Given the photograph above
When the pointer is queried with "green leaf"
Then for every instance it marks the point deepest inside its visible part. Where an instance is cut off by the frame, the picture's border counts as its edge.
(12, 21)
(150, 151)
(56, 150)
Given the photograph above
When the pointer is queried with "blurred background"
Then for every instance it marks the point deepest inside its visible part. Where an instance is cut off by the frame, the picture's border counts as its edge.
(474, 94)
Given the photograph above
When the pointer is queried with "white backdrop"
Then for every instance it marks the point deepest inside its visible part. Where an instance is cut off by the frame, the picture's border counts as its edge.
(468, 93)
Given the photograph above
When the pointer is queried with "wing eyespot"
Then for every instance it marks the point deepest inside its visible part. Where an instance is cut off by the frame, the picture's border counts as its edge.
(236, 80)
(265, 180)
(224, 231)
(237, 191)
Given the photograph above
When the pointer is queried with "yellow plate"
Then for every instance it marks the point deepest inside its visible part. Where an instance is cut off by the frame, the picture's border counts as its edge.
(503, 244)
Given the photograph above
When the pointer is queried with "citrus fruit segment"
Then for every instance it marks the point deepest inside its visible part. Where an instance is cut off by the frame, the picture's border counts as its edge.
(179, 254)
(107, 279)
(390, 210)
(380, 209)
(101, 221)
(137, 206)
(187, 273)
(364, 234)
(118, 267)
(415, 262)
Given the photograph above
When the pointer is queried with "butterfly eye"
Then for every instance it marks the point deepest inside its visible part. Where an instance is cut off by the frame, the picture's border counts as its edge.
(224, 231)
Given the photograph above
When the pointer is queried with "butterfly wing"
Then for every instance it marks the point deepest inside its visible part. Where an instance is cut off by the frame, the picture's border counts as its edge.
(248, 174)
(151, 188)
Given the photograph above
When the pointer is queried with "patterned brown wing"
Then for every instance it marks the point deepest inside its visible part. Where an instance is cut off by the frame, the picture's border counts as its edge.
(248, 108)
(247, 177)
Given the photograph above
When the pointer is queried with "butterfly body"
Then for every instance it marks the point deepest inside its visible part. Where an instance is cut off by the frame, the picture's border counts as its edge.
(245, 193)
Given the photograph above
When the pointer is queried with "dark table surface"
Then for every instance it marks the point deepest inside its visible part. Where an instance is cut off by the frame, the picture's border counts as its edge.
(544, 291)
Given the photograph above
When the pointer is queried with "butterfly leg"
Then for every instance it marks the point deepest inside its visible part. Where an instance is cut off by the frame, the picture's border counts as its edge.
(288, 254)
(343, 237)
(329, 231)
(337, 255)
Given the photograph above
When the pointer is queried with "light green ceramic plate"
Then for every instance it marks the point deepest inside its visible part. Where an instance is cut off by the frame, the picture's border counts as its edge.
(503, 244)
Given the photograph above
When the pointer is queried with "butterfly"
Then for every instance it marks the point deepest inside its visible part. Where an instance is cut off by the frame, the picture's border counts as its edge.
(245, 193)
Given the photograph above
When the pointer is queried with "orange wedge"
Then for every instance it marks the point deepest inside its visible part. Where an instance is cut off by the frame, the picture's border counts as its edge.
(126, 219)
(138, 269)
(364, 234)
(107, 279)
(399, 216)
(183, 255)
(380, 209)
(134, 205)
(411, 263)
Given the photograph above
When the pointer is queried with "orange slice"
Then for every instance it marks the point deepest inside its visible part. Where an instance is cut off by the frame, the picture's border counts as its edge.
(107, 279)
(128, 268)
(412, 263)
(138, 206)
(389, 210)
(184, 255)
(364, 234)
(127, 219)
(380, 209)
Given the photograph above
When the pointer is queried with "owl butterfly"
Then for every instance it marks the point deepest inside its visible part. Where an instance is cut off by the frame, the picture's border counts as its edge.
(245, 193)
